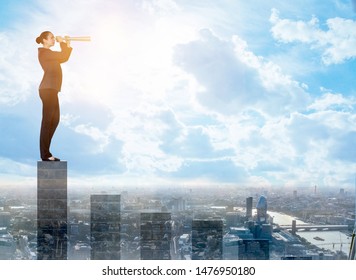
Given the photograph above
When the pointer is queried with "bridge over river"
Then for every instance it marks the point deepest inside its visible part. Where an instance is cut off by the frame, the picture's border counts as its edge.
(309, 227)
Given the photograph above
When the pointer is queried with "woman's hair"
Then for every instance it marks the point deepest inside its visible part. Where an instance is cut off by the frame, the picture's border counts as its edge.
(44, 35)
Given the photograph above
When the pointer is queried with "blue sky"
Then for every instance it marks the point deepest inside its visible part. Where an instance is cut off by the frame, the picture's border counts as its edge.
(253, 93)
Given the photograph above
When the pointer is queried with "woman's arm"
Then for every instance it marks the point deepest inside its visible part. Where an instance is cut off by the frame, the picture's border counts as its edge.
(66, 50)
(61, 56)
(66, 39)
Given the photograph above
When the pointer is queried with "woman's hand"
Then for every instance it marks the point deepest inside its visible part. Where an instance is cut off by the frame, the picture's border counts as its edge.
(59, 39)
(67, 38)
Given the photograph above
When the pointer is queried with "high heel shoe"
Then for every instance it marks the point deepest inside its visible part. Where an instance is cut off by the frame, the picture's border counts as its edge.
(51, 159)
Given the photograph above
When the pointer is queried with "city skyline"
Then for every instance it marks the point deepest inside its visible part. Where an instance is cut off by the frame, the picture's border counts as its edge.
(187, 93)
(282, 233)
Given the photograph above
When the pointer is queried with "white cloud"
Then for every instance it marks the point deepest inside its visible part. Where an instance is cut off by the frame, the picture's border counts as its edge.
(15, 64)
(288, 31)
(94, 133)
(144, 132)
(233, 78)
(332, 101)
(160, 7)
(8, 166)
(152, 97)
(336, 43)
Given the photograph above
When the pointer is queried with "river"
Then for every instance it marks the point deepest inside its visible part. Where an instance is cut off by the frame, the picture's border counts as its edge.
(283, 219)
(329, 240)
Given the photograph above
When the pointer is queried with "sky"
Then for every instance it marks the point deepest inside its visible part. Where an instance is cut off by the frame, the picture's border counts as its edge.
(177, 92)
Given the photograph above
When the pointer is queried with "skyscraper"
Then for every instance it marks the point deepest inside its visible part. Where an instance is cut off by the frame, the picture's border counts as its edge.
(105, 227)
(249, 201)
(52, 210)
(156, 234)
(261, 209)
(294, 227)
(177, 204)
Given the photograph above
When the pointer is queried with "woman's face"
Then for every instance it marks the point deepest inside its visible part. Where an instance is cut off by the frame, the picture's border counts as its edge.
(49, 41)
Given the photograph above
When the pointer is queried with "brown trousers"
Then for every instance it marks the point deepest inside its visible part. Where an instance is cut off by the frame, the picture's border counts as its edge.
(50, 120)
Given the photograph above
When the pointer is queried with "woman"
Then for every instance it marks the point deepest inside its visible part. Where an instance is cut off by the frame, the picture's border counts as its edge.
(50, 87)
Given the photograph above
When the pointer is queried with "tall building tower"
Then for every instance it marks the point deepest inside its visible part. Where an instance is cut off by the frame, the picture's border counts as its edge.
(207, 240)
(262, 209)
(52, 210)
(177, 204)
(156, 234)
(295, 193)
(294, 227)
(105, 227)
(249, 201)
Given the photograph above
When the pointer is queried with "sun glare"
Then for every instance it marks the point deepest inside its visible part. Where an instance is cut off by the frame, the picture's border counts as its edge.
(133, 57)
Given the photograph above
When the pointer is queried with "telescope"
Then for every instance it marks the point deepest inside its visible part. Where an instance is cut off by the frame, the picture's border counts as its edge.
(80, 38)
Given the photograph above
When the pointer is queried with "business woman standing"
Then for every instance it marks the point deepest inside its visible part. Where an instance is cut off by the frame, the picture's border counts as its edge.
(50, 87)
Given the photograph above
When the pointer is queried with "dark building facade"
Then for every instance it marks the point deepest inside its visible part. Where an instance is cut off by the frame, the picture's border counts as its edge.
(105, 227)
(254, 249)
(156, 235)
(207, 239)
(52, 210)
(249, 201)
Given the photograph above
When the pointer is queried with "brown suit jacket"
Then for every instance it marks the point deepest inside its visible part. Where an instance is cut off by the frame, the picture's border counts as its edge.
(51, 65)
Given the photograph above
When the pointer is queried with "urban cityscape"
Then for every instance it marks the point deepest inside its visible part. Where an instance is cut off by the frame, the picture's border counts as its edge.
(222, 222)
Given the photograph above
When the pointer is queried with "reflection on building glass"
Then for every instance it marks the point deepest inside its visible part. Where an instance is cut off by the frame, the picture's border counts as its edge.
(156, 236)
(79, 240)
(105, 227)
(207, 239)
(52, 210)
